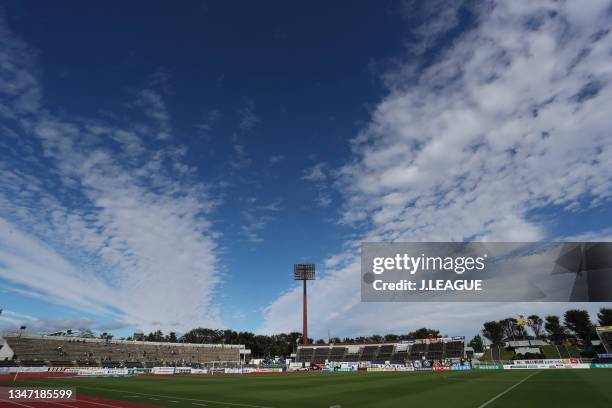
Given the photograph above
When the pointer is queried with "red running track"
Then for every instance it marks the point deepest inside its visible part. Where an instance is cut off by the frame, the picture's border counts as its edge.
(35, 376)
(81, 402)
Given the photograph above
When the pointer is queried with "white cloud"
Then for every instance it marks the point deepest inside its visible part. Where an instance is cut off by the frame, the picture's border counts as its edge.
(315, 173)
(247, 117)
(430, 20)
(21, 95)
(209, 120)
(256, 217)
(323, 200)
(94, 218)
(240, 159)
(274, 159)
(512, 117)
(12, 322)
(154, 108)
(319, 174)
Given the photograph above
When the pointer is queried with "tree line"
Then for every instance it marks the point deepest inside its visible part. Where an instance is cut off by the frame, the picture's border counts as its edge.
(281, 344)
(576, 325)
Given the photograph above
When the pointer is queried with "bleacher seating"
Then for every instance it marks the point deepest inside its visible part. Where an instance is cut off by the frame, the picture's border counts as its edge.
(337, 353)
(394, 353)
(454, 349)
(320, 355)
(304, 355)
(351, 357)
(605, 336)
(417, 351)
(55, 350)
(369, 353)
(399, 357)
(385, 352)
(435, 351)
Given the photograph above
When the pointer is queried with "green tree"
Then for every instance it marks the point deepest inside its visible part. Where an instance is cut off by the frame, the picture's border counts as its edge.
(423, 333)
(494, 332)
(512, 330)
(556, 332)
(579, 323)
(203, 335)
(106, 336)
(604, 317)
(476, 344)
(83, 332)
(535, 323)
(157, 336)
(391, 337)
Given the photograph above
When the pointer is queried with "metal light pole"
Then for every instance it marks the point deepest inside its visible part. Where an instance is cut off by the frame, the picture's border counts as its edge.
(304, 272)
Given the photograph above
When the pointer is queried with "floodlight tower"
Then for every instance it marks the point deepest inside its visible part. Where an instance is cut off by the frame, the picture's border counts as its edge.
(304, 272)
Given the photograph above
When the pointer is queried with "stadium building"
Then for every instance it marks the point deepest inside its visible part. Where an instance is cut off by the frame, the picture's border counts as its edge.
(66, 351)
(395, 353)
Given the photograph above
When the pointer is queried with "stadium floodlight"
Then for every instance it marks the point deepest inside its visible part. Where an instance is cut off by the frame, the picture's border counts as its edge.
(304, 272)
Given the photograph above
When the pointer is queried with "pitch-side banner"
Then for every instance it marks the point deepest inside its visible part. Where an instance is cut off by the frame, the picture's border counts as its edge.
(486, 272)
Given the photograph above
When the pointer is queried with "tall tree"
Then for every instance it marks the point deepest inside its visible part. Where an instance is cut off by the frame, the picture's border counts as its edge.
(476, 344)
(535, 323)
(391, 337)
(423, 333)
(512, 331)
(579, 323)
(556, 332)
(604, 317)
(83, 332)
(203, 335)
(493, 331)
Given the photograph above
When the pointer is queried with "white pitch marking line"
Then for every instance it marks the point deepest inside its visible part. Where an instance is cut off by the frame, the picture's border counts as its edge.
(202, 405)
(17, 403)
(84, 402)
(508, 390)
(236, 404)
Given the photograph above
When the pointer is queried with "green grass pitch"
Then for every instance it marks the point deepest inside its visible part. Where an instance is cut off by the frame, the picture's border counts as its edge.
(476, 389)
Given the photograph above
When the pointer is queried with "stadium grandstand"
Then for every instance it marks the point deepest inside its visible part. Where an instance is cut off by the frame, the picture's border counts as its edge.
(530, 349)
(605, 336)
(66, 351)
(397, 353)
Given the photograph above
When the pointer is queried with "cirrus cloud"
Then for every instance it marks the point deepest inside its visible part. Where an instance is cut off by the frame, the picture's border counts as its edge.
(97, 214)
(512, 117)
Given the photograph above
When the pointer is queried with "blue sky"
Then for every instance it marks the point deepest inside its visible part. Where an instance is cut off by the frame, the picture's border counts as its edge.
(164, 165)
